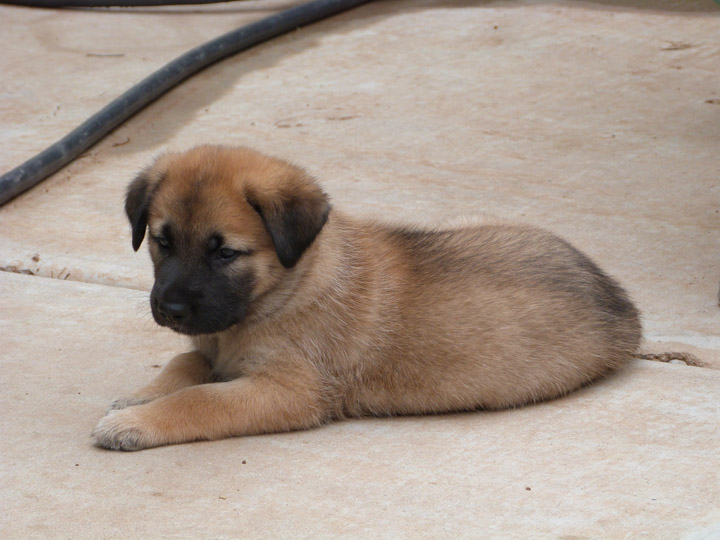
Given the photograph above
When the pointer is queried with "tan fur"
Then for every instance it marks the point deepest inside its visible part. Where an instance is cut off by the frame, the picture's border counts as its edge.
(372, 320)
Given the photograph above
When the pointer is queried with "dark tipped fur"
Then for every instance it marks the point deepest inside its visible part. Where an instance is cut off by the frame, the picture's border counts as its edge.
(137, 204)
(293, 222)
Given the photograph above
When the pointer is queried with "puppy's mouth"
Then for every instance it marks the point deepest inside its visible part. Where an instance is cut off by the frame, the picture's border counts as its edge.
(192, 330)
(180, 328)
(194, 325)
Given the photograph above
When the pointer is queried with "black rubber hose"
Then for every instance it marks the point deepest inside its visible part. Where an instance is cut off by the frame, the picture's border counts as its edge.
(116, 112)
(107, 3)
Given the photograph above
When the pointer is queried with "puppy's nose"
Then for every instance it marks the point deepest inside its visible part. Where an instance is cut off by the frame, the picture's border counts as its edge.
(176, 311)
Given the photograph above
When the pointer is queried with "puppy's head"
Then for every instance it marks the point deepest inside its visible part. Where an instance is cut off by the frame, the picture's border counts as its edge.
(225, 225)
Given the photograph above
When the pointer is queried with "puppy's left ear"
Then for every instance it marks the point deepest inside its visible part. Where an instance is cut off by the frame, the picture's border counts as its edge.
(293, 214)
(137, 203)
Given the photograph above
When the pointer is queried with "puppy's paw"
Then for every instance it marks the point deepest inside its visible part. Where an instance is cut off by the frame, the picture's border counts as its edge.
(129, 401)
(124, 430)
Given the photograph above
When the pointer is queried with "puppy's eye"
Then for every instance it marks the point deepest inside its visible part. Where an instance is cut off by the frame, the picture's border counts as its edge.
(162, 241)
(227, 254)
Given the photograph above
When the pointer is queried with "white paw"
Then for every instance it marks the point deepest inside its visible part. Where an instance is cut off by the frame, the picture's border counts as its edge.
(123, 430)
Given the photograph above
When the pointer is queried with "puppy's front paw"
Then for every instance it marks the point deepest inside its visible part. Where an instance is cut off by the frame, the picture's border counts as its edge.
(124, 430)
(125, 402)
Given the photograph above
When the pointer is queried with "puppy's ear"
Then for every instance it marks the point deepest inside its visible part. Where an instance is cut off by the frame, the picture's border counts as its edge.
(293, 214)
(137, 203)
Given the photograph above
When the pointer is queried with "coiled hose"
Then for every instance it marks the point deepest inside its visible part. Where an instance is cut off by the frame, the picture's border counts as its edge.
(149, 89)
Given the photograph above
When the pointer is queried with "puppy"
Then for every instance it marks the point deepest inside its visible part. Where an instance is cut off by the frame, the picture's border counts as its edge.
(299, 314)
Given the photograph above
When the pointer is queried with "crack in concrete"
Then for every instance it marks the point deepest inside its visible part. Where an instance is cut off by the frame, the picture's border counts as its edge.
(15, 270)
(675, 357)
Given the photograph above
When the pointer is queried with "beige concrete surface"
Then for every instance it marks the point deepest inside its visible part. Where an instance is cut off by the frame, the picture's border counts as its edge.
(599, 120)
(634, 456)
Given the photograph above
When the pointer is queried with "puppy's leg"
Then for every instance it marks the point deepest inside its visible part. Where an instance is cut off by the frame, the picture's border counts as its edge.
(245, 406)
(186, 369)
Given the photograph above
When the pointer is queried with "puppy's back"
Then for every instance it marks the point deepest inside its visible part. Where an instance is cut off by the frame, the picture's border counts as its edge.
(500, 315)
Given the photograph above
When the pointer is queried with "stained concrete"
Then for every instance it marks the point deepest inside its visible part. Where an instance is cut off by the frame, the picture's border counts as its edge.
(598, 120)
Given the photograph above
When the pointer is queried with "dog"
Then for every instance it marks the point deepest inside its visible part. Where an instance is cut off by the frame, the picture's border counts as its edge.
(299, 314)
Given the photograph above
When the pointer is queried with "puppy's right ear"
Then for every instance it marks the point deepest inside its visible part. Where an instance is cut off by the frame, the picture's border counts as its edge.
(137, 204)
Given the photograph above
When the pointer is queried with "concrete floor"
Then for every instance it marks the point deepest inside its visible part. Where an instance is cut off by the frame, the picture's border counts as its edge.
(599, 120)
